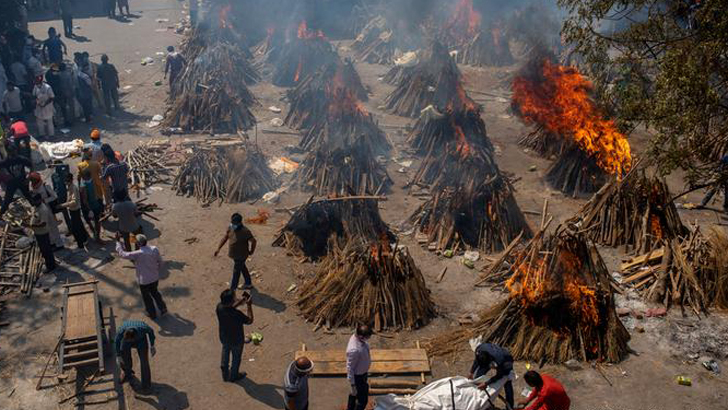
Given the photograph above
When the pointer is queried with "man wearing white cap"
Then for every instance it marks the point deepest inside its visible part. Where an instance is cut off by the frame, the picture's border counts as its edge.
(147, 262)
(295, 384)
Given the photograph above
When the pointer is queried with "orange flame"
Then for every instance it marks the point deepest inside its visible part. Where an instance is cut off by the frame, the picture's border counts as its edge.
(343, 101)
(223, 17)
(465, 21)
(561, 104)
(463, 148)
(304, 33)
(298, 70)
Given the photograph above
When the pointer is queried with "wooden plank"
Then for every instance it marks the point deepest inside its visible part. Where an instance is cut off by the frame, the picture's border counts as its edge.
(71, 365)
(90, 282)
(377, 355)
(394, 367)
(80, 354)
(637, 260)
(81, 345)
(641, 274)
(81, 316)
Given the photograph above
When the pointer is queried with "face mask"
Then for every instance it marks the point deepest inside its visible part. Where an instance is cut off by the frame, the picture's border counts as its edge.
(235, 227)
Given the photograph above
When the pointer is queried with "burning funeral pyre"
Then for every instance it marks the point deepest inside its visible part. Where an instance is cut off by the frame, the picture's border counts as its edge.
(229, 173)
(211, 94)
(380, 43)
(473, 42)
(310, 100)
(301, 56)
(364, 282)
(472, 203)
(560, 306)
(434, 80)
(556, 99)
(637, 211)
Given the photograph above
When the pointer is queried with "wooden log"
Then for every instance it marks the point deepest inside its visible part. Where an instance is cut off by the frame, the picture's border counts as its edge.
(385, 391)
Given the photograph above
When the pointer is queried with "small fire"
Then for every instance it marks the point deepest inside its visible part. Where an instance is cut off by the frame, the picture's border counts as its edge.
(343, 100)
(655, 226)
(465, 20)
(297, 76)
(560, 103)
(304, 33)
(463, 148)
(223, 17)
(380, 248)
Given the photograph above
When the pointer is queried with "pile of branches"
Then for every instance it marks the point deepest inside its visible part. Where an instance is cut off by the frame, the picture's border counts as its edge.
(211, 95)
(205, 36)
(375, 42)
(374, 283)
(485, 49)
(637, 211)
(349, 168)
(21, 262)
(318, 224)
(310, 101)
(300, 58)
(231, 173)
(435, 80)
(148, 164)
(690, 272)
(560, 307)
(575, 172)
(474, 214)
(542, 142)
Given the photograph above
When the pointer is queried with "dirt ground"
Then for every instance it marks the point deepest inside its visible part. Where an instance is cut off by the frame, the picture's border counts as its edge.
(186, 368)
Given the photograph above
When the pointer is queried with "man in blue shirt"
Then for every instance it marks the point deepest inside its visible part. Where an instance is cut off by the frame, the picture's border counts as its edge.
(486, 356)
(54, 47)
(135, 334)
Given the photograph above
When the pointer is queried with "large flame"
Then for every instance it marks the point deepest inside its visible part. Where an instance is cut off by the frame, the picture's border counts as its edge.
(343, 101)
(465, 21)
(561, 104)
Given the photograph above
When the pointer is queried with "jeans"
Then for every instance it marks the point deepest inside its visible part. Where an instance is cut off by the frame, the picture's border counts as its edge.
(111, 97)
(507, 388)
(237, 353)
(360, 401)
(88, 107)
(150, 296)
(45, 248)
(12, 186)
(67, 24)
(127, 365)
(238, 268)
(77, 228)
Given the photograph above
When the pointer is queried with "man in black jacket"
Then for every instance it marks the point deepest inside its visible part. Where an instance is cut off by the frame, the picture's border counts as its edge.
(487, 355)
(16, 167)
(232, 334)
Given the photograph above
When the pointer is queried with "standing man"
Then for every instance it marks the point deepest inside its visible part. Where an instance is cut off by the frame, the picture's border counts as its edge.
(44, 111)
(295, 384)
(123, 4)
(174, 65)
(54, 47)
(110, 8)
(118, 171)
(126, 211)
(73, 206)
(16, 166)
(66, 9)
(358, 361)
(487, 355)
(12, 102)
(39, 223)
(547, 393)
(242, 245)
(134, 334)
(109, 78)
(232, 334)
(147, 262)
(68, 92)
(85, 94)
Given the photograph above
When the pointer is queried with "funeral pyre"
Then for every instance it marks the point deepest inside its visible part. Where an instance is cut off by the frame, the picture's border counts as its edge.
(318, 225)
(636, 211)
(380, 42)
(211, 95)
(376, 283)
(301, 56)
(226, 172)
(560, 306)
(474, 42)
(472, 203)
(556, 99)
(435, 80)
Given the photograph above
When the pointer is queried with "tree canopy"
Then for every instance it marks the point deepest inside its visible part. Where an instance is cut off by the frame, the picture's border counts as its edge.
(663, 65)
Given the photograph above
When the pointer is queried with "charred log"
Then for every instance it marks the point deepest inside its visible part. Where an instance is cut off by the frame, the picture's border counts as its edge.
(575, 173)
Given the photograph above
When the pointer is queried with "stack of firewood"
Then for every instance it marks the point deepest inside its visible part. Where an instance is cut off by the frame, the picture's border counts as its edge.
(375, 42)
(690, 272)
(560, 306)
(374, 283)
(485, 49)
(314, 224)
(21, 263)
(300, 58)
(310, 101)
(232, 173)
(636, 211)
(148, 164)
(211, 95)
(575, 172)
(542, 142)
(435, 80)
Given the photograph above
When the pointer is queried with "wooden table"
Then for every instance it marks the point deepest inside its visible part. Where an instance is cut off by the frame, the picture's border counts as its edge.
(83, 327)
(389, 361)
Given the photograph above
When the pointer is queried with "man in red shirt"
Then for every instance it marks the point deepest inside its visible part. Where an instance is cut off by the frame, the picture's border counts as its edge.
(547, 394)
(19, 129)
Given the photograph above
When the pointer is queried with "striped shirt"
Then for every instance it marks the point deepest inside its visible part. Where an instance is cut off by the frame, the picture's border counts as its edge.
(358, 358)
(118, 172)
(143, 331)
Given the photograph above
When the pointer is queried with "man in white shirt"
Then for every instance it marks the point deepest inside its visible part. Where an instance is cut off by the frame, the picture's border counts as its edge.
(147, 262)
(12, 103)
(44, 110)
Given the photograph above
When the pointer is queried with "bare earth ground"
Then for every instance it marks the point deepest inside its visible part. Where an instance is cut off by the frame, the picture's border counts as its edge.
(186, 368)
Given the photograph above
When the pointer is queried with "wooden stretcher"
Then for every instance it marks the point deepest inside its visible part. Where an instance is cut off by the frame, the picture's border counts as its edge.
(82, 337)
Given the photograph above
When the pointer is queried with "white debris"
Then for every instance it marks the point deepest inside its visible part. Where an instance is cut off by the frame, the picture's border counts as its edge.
(276, 122)
(282, 165)
(274, 109)
(472, 256)
(158, 117)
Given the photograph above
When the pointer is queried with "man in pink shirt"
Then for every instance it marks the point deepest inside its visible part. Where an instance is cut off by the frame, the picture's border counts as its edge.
(358, 361)
(147, 262)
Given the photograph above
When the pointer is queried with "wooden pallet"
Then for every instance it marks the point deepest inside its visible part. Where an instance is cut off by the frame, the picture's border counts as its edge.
(389, 361)
(83, 326)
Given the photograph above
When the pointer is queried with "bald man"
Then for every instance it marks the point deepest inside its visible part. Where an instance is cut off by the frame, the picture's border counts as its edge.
(295, 384)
